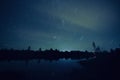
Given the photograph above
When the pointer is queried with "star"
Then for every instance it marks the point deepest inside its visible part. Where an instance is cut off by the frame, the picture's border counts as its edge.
(63, 22)
(54, 37)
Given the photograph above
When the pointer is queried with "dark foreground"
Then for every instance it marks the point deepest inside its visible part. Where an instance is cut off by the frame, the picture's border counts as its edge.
(104, 66)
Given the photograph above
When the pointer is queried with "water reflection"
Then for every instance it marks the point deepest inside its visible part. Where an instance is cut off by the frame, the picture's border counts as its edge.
(38, 69)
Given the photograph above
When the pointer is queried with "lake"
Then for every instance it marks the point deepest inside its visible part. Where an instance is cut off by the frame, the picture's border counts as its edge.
(40, 70)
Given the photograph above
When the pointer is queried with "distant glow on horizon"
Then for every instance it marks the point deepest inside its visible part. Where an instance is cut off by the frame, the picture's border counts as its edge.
(65, 49)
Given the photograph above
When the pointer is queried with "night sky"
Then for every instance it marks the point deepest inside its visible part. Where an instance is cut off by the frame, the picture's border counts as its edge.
(59, 24)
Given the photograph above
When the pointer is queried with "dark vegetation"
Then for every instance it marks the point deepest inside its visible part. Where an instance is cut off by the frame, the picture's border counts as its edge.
(28, 54)
(11, 54)
(104, 65)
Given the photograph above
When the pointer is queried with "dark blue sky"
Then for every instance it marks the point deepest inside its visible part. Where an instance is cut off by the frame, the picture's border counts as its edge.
(61, 24)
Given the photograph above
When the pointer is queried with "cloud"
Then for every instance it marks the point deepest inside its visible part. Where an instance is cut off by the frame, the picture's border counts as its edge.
(88, 15)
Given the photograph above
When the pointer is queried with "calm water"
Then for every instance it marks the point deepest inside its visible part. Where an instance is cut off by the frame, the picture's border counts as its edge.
(38, 70)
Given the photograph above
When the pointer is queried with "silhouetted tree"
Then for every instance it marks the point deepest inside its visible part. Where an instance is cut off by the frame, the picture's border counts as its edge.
(11, 49)
(40, 49)
(29, 48)
(56, 50)
(51, 49)
(94, 46)
(111, 50)
(97, 49)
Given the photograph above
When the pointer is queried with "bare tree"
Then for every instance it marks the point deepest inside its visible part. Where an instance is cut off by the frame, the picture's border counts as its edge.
(94, 46)
(29, 48)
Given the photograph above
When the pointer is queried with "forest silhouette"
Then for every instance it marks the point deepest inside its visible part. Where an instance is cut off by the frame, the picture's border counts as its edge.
(98, 65)
(55, 54)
